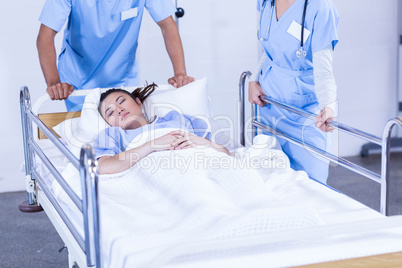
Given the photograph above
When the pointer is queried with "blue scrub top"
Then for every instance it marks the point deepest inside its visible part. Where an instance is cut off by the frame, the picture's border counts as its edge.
(285, 76)
(99, 48)
(290, 79)
(114, 140)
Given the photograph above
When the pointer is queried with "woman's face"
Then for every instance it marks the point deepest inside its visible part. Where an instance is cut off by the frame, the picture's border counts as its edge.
(120, 110)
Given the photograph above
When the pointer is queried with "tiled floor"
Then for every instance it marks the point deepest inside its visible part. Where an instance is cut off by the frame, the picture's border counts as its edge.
(30, 240)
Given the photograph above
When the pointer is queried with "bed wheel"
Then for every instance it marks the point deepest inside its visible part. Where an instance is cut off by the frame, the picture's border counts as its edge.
(26, 207)
(71, 262)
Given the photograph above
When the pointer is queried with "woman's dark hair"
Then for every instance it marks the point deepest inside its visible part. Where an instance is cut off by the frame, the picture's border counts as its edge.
(140, 92)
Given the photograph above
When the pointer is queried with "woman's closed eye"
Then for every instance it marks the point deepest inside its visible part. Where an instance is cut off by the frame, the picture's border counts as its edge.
(110, 113)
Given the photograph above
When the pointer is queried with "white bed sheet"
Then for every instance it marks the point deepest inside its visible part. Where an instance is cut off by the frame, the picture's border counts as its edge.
(307, 202)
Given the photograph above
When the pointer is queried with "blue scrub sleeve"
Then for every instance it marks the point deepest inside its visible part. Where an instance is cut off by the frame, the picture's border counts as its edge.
(55, 13)
(107, 143)
(160, 9)
(325, 29)
(259, 3)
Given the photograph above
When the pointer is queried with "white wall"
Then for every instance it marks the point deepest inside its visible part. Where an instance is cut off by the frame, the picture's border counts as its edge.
(365, 66)
(219, 39)
(218, 44)
(18, 66)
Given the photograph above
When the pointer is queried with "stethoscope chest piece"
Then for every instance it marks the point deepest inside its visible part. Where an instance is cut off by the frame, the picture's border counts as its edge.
(301, 53)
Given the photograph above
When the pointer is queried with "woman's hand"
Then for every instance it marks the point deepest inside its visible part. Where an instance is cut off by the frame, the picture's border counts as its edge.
(127, 159)
(166, 142)
(175, 140)
(255, 93)
(322, 120)
(188, 140)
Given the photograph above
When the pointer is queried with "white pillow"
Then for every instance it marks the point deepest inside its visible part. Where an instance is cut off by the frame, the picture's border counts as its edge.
(75, 137)
(91, 121)
(191, 99)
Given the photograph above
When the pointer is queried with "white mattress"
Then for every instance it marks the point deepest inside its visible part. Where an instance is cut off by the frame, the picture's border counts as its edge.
(319, 208)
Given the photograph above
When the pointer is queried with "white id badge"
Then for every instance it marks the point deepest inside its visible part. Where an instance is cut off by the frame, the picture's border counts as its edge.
(295, 30)
(128, 14)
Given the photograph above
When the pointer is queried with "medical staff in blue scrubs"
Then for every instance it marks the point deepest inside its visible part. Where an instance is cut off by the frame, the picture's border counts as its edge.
(100, 43)
(303, 78)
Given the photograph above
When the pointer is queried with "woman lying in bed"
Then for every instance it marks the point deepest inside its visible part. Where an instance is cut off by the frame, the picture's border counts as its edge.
(123, 112)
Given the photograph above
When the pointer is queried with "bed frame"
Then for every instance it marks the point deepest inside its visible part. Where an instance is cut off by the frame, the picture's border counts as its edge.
(384, 142)
(86, 252)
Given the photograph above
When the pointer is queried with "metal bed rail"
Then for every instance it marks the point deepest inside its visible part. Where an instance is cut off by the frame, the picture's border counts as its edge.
(384, 142)
(87, 167)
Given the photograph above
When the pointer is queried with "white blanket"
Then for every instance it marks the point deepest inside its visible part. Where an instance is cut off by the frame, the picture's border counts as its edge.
(175, 197)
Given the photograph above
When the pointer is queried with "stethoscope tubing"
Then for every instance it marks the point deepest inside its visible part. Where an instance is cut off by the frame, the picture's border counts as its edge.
(300, 52)
(303, 20)
(265, 38)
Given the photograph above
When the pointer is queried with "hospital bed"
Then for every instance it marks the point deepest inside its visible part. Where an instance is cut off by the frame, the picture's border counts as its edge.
(356, 235)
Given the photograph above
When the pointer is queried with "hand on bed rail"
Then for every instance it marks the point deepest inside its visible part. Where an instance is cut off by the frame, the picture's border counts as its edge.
(60, 91)
(255, 93)
(323, 118)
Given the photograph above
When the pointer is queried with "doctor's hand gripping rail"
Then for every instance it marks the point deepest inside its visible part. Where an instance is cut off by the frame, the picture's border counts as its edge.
(384, 142)
(87, 167)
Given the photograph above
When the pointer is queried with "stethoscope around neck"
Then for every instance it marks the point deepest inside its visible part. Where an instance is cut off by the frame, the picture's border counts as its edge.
(300, 53)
